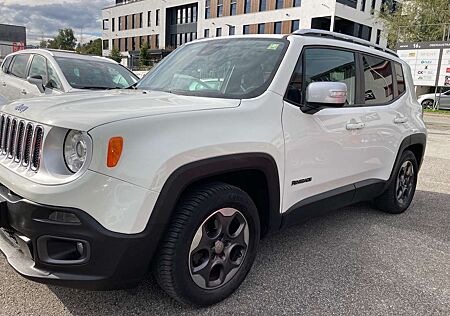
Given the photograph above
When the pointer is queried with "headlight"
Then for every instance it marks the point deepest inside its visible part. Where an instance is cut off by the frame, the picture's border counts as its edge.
(75, 150)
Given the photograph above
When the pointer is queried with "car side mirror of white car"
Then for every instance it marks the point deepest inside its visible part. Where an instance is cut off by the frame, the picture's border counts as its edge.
(326, 94)
(38, 82)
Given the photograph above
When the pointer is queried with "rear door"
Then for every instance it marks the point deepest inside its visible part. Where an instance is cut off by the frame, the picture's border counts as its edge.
(16, 79)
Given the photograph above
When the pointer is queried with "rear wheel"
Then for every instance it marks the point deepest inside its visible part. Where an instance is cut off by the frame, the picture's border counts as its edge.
(427, 104)
(210, 245)
(398, 196)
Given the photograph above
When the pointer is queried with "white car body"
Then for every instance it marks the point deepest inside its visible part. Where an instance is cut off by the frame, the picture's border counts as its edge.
(14, 88)
(440, 99)
(310, 156)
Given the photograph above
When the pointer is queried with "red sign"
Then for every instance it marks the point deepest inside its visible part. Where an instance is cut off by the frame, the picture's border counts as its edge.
(18, 46)
(448, 70)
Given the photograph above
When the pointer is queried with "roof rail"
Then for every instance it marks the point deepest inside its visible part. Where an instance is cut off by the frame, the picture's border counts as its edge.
(343, 37)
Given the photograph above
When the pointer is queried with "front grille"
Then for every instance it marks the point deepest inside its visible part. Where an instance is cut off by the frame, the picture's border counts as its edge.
(21, 141)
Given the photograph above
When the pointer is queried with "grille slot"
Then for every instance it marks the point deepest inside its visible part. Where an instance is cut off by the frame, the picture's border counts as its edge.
(37, 145)
(21, 142)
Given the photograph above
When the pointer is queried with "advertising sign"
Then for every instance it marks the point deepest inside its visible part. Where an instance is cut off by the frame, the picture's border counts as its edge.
(429, 62)
(18, 46)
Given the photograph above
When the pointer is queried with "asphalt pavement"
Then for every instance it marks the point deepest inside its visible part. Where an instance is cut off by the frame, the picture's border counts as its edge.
(354, 261)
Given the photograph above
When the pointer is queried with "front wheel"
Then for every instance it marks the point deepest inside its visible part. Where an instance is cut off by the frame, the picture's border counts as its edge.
(398, 196)
(210, 245)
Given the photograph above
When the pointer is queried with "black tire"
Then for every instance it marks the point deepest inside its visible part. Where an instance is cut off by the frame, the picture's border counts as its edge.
(427, 104)
(176, 260)
(393, 200)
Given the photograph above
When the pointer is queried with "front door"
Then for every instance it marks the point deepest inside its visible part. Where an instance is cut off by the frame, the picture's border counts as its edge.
(324, 150)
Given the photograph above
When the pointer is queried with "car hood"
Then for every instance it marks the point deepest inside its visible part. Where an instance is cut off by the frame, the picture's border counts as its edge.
(85, 111)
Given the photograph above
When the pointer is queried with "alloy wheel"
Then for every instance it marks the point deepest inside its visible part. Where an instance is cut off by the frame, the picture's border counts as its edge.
(218, 248)
(405, 182)
(428, 104)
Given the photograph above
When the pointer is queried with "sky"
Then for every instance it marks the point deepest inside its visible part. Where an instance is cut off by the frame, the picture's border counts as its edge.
(43, 18)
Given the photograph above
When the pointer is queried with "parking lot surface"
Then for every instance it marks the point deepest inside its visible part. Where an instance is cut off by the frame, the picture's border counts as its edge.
(354, 261)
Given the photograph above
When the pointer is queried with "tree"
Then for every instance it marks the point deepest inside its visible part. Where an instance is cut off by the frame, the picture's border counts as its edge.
(43, 44)
(64, 40)
(144, 54)
(94, 47)
(115, 54)
(416, 20)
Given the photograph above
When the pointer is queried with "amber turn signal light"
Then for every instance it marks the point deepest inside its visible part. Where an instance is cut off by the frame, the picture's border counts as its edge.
(115, 147)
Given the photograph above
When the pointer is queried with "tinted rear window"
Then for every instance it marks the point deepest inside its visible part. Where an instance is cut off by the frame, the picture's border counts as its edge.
(378, 80)
(401, 87)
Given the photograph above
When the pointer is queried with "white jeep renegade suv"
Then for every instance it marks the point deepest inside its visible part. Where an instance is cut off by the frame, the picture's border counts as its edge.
(225, 141)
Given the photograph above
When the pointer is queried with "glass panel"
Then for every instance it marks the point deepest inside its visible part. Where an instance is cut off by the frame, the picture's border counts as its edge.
(39, 67)
(378, 80)
(19, 66)
(401, 87)
(323, 64)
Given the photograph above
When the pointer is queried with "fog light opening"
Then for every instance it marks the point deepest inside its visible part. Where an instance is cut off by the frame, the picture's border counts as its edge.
(59, 250)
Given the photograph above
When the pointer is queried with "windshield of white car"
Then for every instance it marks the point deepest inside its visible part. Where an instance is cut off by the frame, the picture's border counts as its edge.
(91, 74)
(236, 68)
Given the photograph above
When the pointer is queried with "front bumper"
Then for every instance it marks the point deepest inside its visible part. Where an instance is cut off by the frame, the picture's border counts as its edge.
(110, 260)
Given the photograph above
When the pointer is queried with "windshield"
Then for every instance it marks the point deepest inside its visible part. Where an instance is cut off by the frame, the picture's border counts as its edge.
(226, 68)
(91, 74)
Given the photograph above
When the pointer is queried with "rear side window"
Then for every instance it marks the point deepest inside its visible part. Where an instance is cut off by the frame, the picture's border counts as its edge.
(19, 65)
(6, 64)
(378, 79)
(401, 86)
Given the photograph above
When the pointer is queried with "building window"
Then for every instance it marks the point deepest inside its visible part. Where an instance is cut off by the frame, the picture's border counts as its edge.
(372, 8)
(233, 6)
(113, 22)
(218, 31)
(106, 24)
(231, 30)
(378, 37)
(207, 9)
(219, 8)
(297, 3)
(277, 26)
(363, 5)
(206, 34)
(149, 18)
(105, 44)
(121, 23)
(157, 40)
(157, 18)
(246, 29)
(262, 5)
(133, 19)
(278, 4)
(194, 14)
(295, 25)
(247, 6)
(141, 16)
(261, 28)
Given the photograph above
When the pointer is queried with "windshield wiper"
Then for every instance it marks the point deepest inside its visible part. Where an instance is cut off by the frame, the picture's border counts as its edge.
(99, 88)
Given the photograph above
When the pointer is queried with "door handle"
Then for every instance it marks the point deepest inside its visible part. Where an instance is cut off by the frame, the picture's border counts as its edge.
(23, 91)
(355, 126)
(400, 120)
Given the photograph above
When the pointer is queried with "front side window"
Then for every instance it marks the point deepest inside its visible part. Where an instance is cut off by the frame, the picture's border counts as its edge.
(89, 74)
(39, 67)
(323, 64)
(19, 65)
(226, 68)
(378, 80)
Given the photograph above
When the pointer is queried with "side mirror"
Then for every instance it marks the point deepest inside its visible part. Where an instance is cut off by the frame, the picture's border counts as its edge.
(326, 94)
(38, 82)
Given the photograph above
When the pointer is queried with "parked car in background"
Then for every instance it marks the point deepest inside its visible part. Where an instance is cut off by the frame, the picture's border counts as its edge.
(40, 72)
(429, 100)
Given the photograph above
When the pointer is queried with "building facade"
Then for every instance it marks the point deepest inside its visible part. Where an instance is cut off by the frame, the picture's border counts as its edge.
(167, 24)
(12, 38)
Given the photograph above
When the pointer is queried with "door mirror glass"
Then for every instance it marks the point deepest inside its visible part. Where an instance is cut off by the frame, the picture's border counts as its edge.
(38, 81)
(326, 94)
